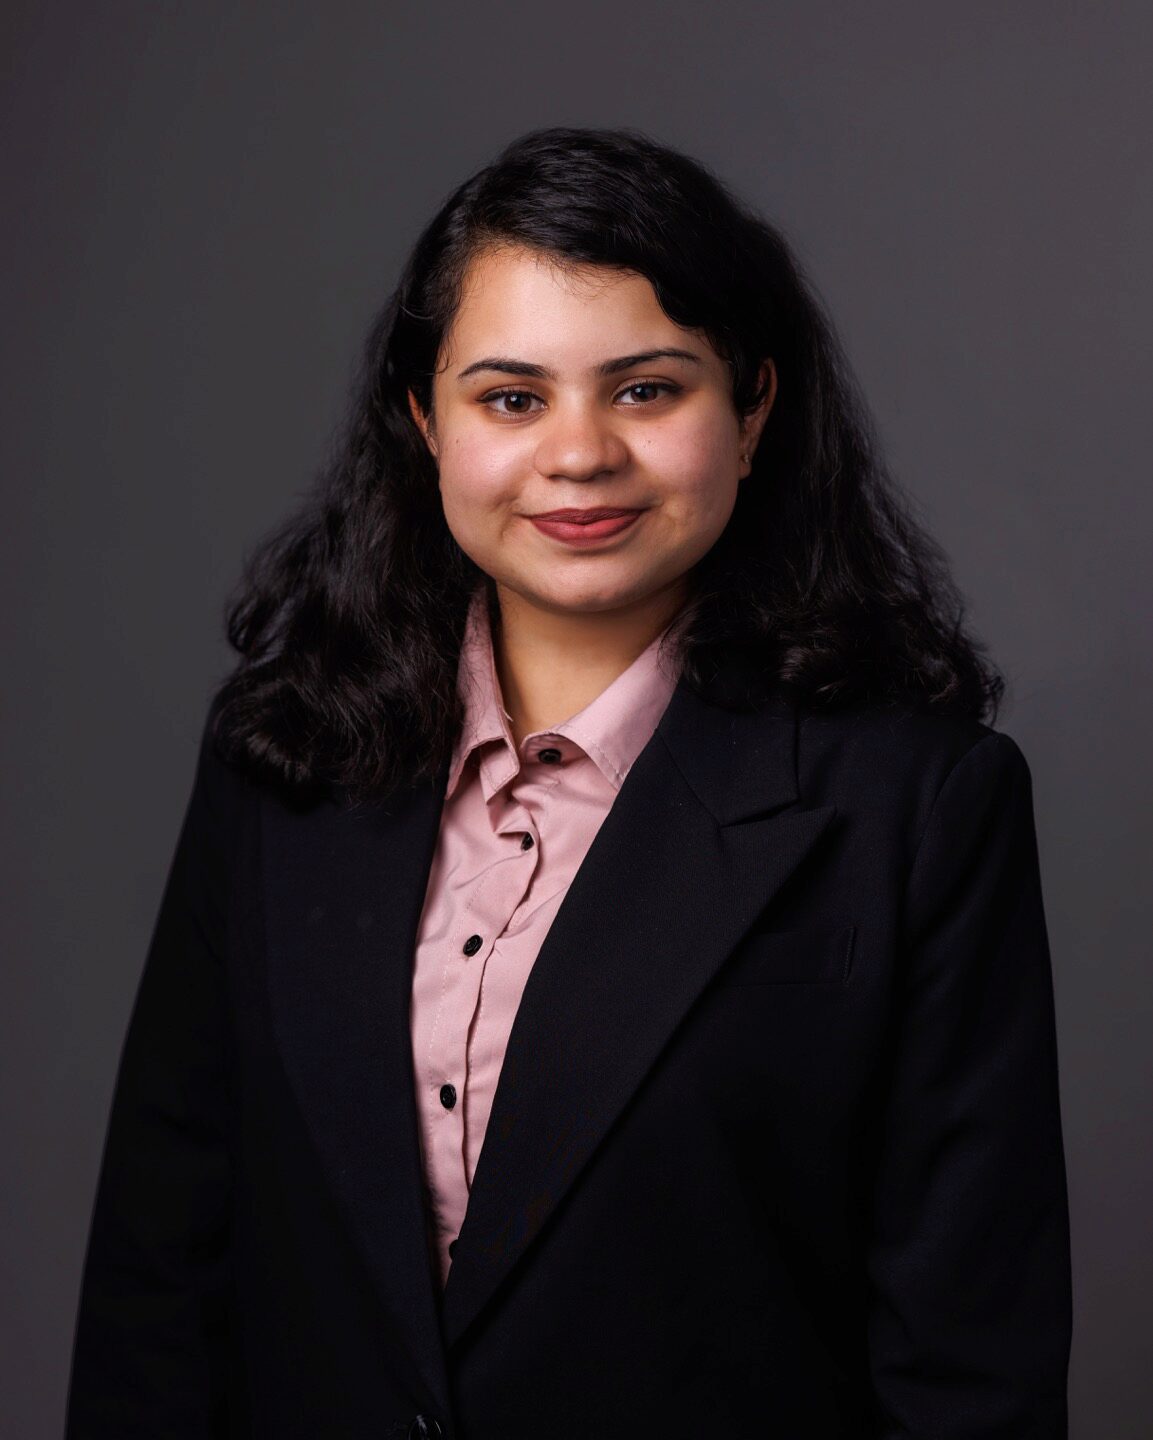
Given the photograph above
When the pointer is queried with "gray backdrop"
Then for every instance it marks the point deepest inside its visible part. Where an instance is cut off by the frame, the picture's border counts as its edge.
(204, 204)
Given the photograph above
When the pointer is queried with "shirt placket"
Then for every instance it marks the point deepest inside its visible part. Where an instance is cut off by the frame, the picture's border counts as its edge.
(459, 1024)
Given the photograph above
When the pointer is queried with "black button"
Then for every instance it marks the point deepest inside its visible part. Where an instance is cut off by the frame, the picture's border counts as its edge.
(448, 1096)
(424, 1427)
(472, 944)
(550, 757)
(451, 1246)
(526, 842)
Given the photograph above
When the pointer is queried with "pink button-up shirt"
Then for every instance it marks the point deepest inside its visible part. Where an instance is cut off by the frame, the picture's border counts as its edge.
(516, 825)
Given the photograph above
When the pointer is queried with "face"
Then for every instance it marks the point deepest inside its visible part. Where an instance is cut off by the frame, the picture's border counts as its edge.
(552, 392)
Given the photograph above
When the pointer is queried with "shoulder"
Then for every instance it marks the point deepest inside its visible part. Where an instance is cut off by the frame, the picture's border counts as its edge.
(896, 758)
(222, 789)
(895, 736)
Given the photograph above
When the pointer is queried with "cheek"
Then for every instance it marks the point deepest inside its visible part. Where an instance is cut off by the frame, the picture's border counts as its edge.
(698, 470)
(475, 478)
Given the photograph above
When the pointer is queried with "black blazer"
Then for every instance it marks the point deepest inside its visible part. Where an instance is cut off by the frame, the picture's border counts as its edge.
(776, 1150)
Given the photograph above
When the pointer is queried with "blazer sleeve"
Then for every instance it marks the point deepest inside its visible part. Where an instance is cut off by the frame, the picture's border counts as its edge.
(969, 1320)
(150, 1340)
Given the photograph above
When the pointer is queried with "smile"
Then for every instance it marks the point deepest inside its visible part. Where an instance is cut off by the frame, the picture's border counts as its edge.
(584, 533)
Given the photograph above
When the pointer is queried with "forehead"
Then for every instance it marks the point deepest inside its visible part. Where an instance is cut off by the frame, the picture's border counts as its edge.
(514, 299)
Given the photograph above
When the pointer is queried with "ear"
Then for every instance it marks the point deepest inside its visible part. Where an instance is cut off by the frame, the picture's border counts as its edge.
(422, 423)
(753, 424)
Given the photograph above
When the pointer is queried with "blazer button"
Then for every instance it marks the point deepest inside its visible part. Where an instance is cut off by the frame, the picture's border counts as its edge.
(550, 757)
(424, 1427)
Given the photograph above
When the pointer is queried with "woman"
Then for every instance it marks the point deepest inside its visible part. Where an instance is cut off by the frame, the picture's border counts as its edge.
(681, 817)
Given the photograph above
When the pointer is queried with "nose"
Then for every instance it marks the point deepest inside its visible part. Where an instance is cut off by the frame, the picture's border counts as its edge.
(580, 442)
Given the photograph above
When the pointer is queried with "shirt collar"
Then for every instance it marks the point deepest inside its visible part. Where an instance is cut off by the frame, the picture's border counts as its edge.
(611, 730)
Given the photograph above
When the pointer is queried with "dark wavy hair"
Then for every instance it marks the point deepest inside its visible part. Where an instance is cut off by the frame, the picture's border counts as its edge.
(349, 618)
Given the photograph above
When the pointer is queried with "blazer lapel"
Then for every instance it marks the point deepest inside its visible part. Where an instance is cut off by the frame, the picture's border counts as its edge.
(697, 843)
(699, 839)
(344, 888)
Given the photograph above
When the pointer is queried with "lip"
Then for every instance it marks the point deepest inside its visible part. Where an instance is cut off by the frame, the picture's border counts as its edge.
(586, 516)
(580, 532)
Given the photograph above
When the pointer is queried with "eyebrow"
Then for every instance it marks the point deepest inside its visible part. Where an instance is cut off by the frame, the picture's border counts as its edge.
(509, 366)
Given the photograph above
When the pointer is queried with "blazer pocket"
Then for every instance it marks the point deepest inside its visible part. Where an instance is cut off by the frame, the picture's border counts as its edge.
(813, 955)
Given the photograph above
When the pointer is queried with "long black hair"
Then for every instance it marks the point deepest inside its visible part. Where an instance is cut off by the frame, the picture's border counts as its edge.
(349, 618)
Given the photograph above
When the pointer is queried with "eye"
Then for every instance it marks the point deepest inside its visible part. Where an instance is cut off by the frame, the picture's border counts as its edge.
(519, 401)
(650, 385)
(509, 394)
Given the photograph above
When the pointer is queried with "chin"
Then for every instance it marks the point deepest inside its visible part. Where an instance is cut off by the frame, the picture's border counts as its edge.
(578, 601)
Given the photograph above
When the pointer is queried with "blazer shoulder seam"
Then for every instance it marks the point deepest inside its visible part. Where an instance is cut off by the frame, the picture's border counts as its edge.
(982, 742)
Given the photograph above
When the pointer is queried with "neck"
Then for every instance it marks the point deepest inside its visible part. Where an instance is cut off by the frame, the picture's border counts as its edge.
(552, 663)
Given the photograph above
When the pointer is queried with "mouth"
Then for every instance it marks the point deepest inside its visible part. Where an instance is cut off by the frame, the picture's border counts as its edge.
(585, 527)
(587, 517)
